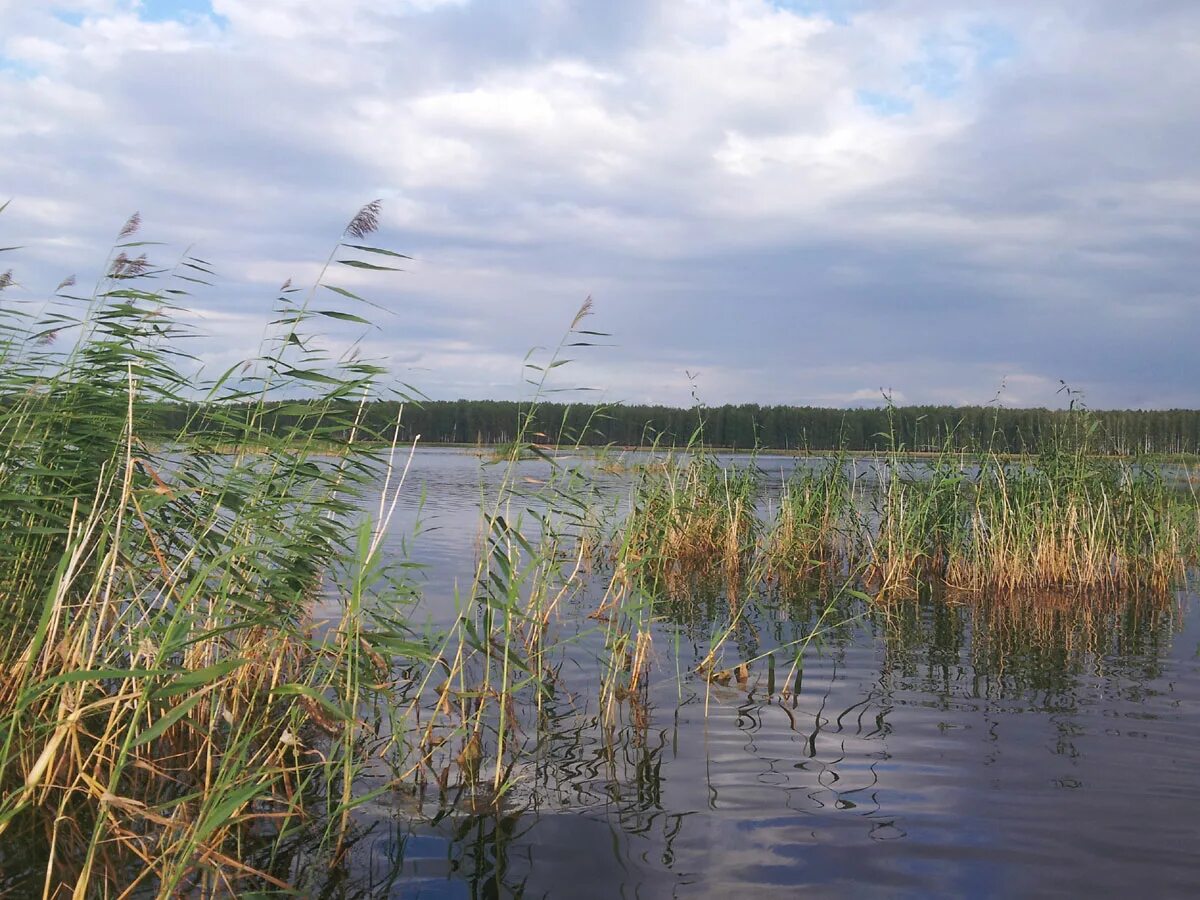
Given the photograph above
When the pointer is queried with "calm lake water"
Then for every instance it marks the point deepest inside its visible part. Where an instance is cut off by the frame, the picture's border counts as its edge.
(944, 751)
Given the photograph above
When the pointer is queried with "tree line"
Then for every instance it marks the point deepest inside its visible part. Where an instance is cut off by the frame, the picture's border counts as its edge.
(743, 426)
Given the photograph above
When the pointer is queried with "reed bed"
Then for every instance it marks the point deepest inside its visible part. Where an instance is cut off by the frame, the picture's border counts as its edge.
(1066, 520)
(207, 651)
(810, 536)
(692, 521)
(169, 699)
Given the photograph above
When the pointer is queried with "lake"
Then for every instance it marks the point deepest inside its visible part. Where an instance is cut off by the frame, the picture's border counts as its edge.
(929, 749)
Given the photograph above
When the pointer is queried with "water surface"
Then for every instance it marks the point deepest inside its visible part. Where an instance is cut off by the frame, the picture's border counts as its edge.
(947, 750)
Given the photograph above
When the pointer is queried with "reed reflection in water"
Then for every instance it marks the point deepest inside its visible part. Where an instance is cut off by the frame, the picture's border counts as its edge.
(990, 750)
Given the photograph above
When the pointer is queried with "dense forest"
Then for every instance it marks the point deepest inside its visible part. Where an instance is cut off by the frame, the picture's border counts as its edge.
(749, 425)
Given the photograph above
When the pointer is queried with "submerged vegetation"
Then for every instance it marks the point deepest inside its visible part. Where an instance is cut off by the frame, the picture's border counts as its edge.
(209, 650)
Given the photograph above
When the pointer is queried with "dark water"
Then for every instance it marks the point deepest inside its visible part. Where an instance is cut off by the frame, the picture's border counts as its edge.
(940, 751)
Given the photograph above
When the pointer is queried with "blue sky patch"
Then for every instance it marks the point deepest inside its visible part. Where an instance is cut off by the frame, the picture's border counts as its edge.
(17, 68)
(945, 61)
(937, 71)
(883, 103)
(153, 11)
(69, 17)
(837, 11)
(175, 10)
(994, 45)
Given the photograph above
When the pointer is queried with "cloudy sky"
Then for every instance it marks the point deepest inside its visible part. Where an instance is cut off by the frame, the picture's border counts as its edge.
(796, 202)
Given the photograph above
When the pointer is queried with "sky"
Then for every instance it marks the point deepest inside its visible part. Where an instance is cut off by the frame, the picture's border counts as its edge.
(772, 202)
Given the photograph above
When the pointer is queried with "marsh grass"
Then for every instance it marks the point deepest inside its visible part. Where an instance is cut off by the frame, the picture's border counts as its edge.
(1066, 520)
(496, 666)
(692, 522)
(810, 537)
(164, 695)
(1045, 546)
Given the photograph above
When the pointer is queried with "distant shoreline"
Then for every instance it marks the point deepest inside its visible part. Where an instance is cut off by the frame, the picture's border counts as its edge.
(494, 450)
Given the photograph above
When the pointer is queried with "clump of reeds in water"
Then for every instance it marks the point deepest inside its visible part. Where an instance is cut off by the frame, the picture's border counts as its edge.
(1065, 520)
(1070, 521)
(691, 522)
(920, 523)
(501, 656)
(811, 533)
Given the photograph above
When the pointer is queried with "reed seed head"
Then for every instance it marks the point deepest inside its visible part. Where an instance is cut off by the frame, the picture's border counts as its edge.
(366, 221)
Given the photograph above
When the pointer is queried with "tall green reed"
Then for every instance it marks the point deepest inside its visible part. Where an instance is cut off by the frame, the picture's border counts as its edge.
(498, 659)
(811, 536)
(1067, 519)
(165, 689)
(691, 521)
